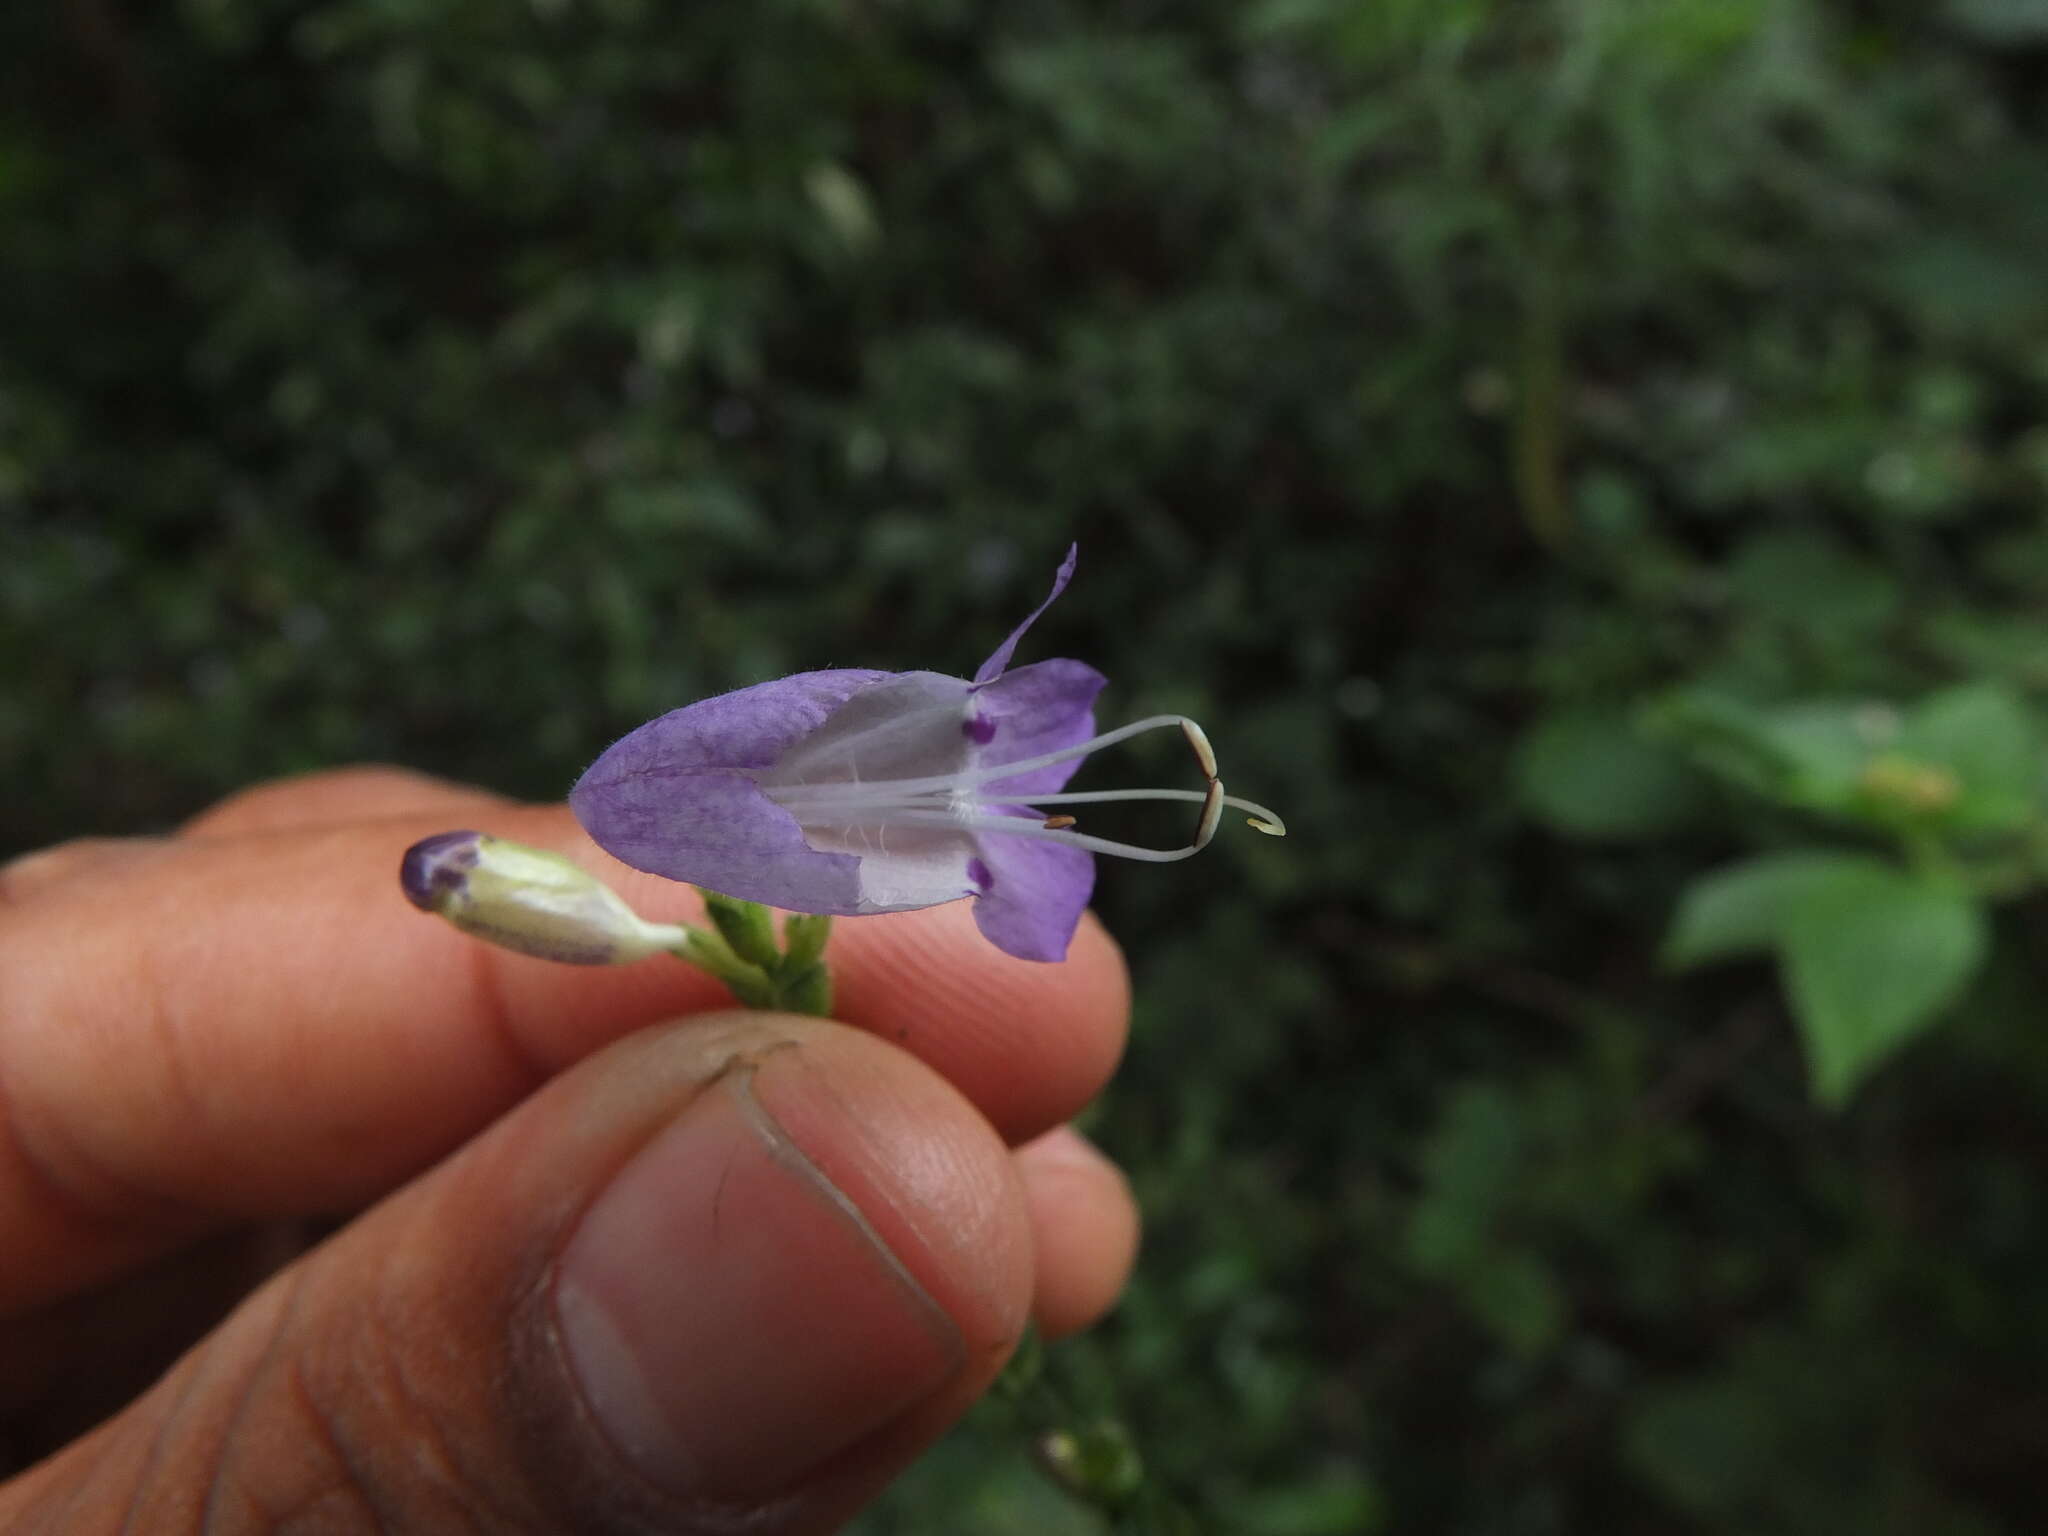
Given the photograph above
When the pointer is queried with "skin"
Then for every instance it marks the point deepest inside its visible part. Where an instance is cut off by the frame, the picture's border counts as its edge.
(304, 1196)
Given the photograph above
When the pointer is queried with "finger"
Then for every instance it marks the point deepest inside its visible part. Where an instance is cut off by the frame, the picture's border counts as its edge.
(332, 795)
(253, 1026)
(25, 878)
(65, 1367)
(726, 1276)
(1029, 1043)
(1084, 1227)
(362, 792)
(925, 982)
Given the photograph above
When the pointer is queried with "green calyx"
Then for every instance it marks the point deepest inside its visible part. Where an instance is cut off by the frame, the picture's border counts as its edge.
(741, 950)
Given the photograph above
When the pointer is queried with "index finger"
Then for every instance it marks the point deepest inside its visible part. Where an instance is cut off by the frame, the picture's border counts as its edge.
(247, 1024)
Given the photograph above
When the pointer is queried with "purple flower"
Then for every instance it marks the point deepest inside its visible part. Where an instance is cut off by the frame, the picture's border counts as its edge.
(852, 792)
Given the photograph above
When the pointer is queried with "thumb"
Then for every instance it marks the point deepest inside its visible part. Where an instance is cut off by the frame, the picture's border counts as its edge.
(727, 1274)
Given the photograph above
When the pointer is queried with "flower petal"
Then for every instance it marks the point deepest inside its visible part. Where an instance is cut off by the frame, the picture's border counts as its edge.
(1034, 895)
(901, 868)
(902, 725)
(678, 796)
(1036, 709)
(747, 728)
(1000, 658)
(713, 827)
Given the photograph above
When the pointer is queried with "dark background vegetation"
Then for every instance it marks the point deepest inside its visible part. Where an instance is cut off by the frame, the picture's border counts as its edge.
(1434, 387)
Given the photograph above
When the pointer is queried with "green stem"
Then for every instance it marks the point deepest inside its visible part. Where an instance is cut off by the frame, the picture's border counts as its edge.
(749, 984)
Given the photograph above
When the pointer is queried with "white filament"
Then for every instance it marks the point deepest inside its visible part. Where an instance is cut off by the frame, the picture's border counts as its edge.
(967, 779)
(947, 800)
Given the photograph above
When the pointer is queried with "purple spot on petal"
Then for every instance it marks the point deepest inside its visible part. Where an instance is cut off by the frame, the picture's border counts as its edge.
(436, 867)
(979, 873)
(979, 729)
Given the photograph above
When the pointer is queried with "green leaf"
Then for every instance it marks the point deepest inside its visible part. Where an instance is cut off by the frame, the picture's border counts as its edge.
(1726, 736)
(1469, 1165)
(1801, 578)
(1984, 735)
(1590, 774)
(1828, 744)
(1743, 909)
(1706, 1443)
(2010, 23)
(1871, 956)
(1810, 754)
(1519, 1298)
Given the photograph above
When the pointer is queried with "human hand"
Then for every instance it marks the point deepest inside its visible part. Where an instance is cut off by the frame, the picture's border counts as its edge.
(582, 1269)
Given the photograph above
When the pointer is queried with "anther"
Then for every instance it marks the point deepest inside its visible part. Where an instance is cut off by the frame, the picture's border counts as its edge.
(1054, 823)
(1270, 828)
(1198, 739)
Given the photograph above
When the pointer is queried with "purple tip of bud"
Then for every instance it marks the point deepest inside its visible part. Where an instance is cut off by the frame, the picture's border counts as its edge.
(984, 880)
(435, 867)
(979, 729)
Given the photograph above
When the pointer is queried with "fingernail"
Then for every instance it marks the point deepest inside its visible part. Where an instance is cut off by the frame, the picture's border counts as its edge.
(732, 1319)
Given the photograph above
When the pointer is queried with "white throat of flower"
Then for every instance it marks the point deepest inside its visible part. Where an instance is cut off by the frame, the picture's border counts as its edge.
(953, 800)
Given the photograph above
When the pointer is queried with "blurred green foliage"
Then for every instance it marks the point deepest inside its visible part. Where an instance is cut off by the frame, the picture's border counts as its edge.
(1585, 460)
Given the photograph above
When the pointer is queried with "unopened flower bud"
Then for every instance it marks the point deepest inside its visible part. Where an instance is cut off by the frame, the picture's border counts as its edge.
(524, 899)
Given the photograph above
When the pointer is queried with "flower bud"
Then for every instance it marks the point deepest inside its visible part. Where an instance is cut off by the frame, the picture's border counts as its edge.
(524, 899)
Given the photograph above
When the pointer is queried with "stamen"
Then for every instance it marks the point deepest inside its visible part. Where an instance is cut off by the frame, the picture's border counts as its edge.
(1267, 821)
(1017, 826)
(871, 789)
(940, 799)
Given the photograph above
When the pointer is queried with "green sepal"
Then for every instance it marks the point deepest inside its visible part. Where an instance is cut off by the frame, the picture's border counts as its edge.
(746, 927)
(803, 939)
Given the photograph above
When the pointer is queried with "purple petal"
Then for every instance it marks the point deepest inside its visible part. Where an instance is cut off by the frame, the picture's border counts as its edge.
(1041, 708)
(678, 797)
(747, 728)
(1035, 894)
(713, 827)
(1000, 658)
